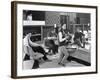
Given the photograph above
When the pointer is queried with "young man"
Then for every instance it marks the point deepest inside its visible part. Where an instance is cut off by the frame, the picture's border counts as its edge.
(34, 49)
(78, 36)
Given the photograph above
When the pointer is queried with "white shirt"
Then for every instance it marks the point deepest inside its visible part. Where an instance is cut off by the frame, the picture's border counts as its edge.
(25, 40)
(60, 37)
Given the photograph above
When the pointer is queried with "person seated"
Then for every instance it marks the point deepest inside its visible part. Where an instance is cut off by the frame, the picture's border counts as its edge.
(31, 49)
(50, 41)
(86, 35)
(31, 55)
(53, 48)
(52, 34)
(78, 38)
(63, 43)
(38, 48)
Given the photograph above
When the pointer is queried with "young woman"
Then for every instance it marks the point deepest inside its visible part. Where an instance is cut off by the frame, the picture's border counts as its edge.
(63, 42)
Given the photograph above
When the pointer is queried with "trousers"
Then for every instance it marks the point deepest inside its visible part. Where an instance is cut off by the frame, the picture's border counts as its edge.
(63, 54)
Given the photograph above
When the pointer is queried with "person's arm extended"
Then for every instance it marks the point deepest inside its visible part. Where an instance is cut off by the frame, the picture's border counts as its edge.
(32, 43)
(60, 37)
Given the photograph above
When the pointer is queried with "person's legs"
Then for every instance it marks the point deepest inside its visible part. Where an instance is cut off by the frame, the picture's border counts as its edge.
(36, 64)
(83, 44)
(66, 55)
(51, 46)
(40, 50)
(78, 42)
(55, 49)
(63, 55)
(27, 57)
